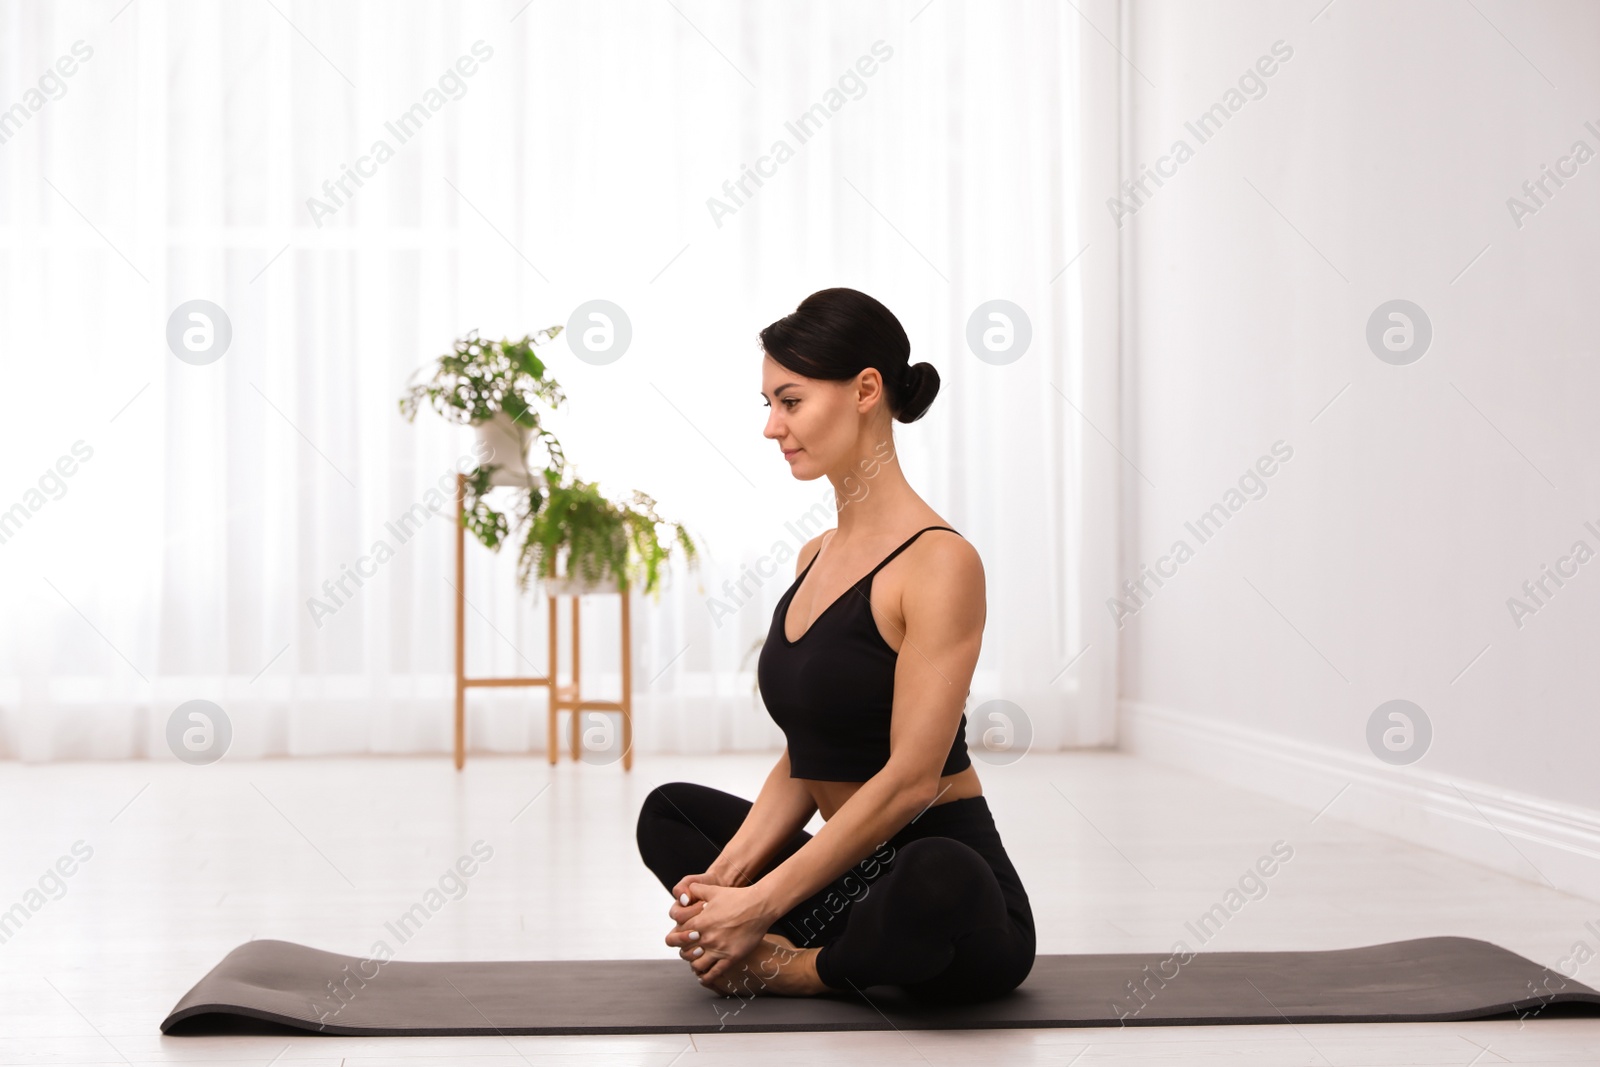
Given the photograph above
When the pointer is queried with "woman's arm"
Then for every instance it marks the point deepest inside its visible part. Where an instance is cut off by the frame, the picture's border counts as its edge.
(938, 653)
(783, 806)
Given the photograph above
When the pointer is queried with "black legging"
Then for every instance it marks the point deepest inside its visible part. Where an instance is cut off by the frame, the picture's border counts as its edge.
(937, 909)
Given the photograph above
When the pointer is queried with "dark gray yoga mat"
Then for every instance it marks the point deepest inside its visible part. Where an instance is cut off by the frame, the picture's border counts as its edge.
(1431, 979)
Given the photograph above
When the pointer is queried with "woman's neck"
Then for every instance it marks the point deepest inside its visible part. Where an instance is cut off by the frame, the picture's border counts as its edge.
(873, 495)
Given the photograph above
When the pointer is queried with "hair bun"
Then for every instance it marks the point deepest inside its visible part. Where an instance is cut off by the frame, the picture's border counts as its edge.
(920, 384)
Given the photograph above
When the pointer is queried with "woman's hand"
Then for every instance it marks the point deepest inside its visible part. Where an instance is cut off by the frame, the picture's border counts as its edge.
(681, 890)
(719, 927)
(686, 905)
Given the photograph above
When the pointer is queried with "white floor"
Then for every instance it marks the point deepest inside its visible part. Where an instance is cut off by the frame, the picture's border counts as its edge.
(1117, 855)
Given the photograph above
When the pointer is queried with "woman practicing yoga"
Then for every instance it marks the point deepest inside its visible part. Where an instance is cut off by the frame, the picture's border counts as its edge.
(907, 882)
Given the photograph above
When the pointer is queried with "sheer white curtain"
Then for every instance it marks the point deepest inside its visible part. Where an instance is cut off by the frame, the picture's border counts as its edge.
(167, 522)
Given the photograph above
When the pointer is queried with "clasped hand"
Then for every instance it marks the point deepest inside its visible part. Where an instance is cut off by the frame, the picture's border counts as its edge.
(717, 927)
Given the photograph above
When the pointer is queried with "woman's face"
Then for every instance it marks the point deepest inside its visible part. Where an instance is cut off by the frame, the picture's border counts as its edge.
(818, 423)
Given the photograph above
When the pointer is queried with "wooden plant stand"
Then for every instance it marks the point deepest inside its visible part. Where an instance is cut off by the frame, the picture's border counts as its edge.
(566, 698)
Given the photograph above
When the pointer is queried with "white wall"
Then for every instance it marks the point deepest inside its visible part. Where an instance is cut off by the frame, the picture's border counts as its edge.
(1419, 498)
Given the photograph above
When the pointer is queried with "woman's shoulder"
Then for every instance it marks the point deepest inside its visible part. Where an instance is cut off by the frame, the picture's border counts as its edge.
(944, 584)
(944, 550)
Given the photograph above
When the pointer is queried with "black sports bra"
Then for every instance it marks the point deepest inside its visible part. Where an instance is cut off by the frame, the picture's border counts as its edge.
(832, 692)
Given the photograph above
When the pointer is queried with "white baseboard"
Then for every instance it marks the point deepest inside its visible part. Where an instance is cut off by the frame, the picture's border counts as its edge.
(1544, 841)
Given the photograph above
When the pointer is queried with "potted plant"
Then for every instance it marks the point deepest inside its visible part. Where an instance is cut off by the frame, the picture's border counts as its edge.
(603, 544)
(497, 387)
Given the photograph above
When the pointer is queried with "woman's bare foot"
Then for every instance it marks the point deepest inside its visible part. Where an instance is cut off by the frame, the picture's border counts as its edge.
(775, 967)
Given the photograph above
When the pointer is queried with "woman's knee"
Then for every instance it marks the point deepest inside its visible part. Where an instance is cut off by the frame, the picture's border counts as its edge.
(660, 799)
(940, 855)
(660, 803)
(939, 876)
(685, 803)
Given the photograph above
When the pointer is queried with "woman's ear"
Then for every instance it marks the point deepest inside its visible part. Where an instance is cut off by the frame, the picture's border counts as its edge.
(869, 387)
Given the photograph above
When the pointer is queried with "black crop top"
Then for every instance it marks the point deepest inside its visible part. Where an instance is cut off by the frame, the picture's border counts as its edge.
(832, 692)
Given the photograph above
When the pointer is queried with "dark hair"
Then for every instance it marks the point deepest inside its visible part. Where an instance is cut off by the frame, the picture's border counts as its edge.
(835, 334)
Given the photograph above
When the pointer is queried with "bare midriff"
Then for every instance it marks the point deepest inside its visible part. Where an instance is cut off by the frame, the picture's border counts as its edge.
(830, 796)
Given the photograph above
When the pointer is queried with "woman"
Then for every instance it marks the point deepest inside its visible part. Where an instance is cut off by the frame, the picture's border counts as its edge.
(907, 882)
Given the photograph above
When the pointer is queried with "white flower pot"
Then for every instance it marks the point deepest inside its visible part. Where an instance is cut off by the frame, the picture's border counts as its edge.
(563, 586)
(506, 446)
